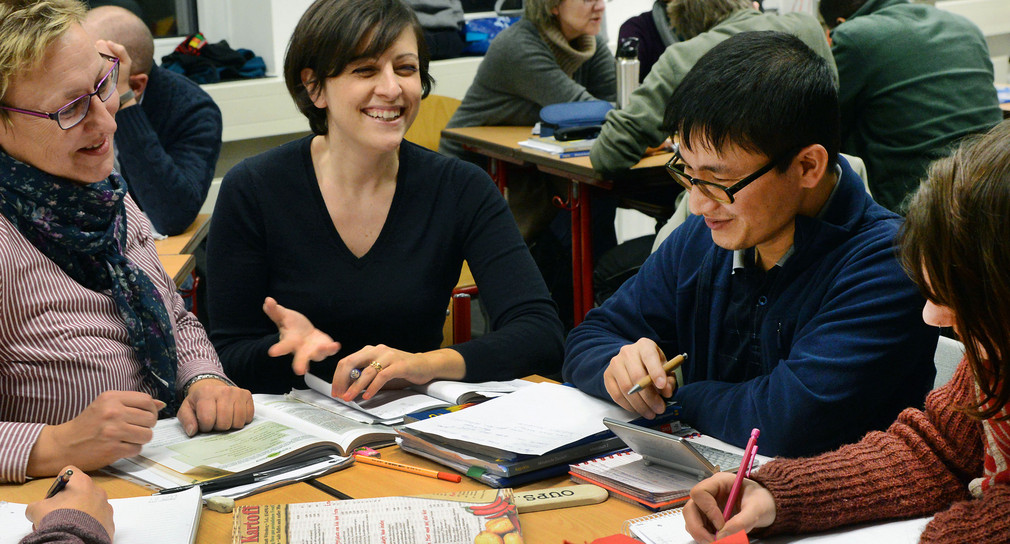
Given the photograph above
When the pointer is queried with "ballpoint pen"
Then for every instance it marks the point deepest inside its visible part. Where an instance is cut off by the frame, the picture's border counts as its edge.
(59, 484)
(745, 463)
(668, 367)
(235, 480)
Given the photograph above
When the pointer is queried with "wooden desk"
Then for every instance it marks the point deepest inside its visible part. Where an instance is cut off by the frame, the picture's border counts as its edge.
(1006, 109)
(501, 146)
(179, 267)
(185, 243)
(577, 524)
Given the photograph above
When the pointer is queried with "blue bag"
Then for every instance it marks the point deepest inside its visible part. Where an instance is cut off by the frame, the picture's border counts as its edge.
(573, 114)
(479, 33)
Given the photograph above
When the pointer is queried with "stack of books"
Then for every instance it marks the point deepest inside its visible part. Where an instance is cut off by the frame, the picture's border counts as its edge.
(562, 150)
(526, 436)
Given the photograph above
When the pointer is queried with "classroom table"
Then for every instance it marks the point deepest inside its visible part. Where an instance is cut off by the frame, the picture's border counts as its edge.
(185, 242)
(500, 144)
(576, 524)
(179, 267)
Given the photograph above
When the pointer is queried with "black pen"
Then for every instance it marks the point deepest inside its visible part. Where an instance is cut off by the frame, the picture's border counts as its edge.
(235, 480)
(59, 484)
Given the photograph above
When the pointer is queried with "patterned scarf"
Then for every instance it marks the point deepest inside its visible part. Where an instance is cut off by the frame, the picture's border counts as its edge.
(996, 462)
(82, 228)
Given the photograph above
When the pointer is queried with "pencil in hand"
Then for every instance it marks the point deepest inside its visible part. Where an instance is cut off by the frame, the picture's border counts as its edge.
(668, 367)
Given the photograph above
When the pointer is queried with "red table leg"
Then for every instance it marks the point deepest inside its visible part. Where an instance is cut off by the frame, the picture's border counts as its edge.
(498, 172)
(582, 251)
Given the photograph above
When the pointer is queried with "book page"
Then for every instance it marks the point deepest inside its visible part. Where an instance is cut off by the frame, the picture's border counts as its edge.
(668, 528)
(317, 421)
(232, 451)
(534, 420)
(386, 405)
(460, 392)
(173, 518)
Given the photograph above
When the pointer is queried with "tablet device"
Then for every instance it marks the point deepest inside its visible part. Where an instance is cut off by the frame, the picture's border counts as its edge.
(669, 450)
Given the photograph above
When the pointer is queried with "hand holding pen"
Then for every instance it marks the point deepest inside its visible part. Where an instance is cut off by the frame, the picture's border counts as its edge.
(709, 514)
(73, 489)
(638, 379)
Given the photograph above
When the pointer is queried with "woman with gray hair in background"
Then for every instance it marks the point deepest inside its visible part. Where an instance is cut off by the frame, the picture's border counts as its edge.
(552, 55)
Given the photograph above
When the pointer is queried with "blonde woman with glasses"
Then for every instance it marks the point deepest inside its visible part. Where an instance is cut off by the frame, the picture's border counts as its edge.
(94, 341)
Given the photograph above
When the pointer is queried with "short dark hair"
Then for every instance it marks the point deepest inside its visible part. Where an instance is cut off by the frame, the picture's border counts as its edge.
(766, 92)
(333, 33)
(832, 10)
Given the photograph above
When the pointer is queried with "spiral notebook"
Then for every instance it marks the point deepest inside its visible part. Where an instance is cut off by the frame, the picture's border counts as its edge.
(668, 528)
(629, 475)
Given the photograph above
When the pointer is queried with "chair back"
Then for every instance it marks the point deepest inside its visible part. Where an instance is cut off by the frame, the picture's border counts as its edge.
(432, 117)
(949, 353)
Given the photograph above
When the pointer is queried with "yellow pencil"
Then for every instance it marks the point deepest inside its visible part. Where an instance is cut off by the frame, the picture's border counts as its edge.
(669, 367)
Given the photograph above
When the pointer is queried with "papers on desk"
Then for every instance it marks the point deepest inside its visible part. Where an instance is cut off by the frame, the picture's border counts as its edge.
(455, 518)
(388, 406)
(668, 528)
(173, 518)
(562, 149)
(532, 421)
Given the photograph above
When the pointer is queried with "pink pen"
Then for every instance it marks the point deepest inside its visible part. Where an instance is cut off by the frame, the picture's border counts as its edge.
(748, 456)
(752, 461)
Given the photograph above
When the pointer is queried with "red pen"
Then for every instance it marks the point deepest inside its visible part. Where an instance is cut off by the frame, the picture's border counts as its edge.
(748, 458)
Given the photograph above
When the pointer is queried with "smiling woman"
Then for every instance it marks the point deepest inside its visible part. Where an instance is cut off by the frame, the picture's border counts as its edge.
(348, 242)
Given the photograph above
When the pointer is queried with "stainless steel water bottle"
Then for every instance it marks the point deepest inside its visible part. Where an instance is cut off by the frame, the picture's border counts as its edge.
(627, 70)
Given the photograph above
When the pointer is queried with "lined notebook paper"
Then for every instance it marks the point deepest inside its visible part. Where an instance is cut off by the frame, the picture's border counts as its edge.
(628, 472)
(668, 528)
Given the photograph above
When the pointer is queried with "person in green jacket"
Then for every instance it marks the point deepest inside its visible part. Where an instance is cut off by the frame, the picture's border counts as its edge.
(702, 24)
(913, 81)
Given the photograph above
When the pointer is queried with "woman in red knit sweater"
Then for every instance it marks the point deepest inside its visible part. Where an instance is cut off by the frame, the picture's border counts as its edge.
(950, 460)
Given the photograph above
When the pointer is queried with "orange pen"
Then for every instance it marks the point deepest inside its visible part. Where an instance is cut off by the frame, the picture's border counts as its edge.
(449, 477)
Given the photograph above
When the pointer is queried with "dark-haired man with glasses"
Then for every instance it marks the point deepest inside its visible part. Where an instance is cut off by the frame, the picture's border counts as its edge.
(784, 289)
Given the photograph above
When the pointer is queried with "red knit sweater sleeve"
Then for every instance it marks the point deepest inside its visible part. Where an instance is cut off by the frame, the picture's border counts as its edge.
(919, 466)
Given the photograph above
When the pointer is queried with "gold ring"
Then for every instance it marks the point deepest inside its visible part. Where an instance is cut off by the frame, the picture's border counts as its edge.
(376, 365)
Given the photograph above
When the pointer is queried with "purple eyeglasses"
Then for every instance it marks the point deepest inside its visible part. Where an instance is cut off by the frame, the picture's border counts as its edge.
(73, 113)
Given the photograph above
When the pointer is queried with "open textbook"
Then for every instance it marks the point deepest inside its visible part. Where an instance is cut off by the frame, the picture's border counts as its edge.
(388, 406)
(465, 517)
(668, 528)
(173, 518)
(287, 440)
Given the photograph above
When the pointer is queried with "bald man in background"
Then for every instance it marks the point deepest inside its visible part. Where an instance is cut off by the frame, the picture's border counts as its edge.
(169, 134)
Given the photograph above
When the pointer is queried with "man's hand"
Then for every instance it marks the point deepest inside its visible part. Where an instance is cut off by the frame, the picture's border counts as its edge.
(79, 494)
(115, 425)
(125, 65)
(215, 405)
(632, 363)
(703, 513)
(298, 336)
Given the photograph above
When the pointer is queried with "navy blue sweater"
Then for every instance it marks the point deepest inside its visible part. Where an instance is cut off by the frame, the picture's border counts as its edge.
(271, 235)
(844, 348)
(168, 147)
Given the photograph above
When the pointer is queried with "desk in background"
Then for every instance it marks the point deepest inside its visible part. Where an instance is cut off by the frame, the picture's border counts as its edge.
(501, 146)
(175, 252)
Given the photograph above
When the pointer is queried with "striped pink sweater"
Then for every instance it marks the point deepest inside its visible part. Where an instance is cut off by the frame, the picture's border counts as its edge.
(61, 345)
